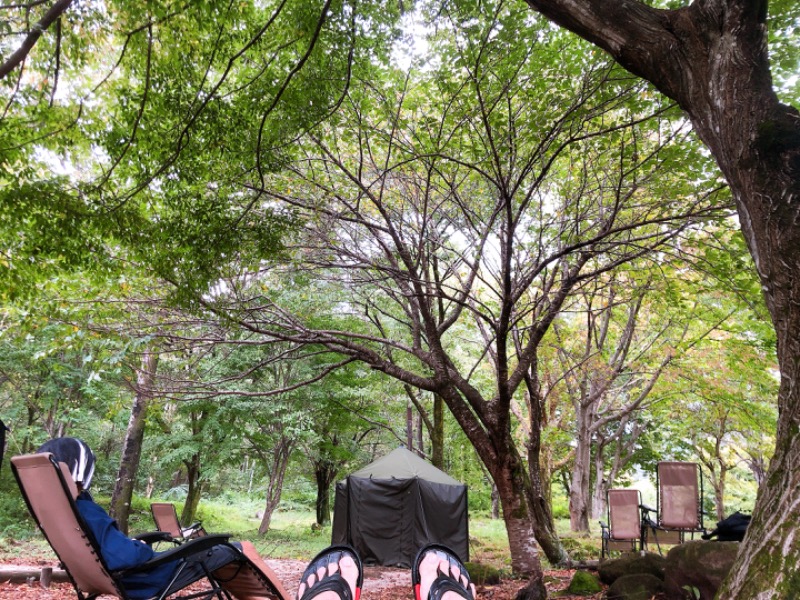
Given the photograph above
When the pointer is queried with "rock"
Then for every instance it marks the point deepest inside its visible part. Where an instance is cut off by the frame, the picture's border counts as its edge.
(632, 564)
(698, 565)
(481, 574)
(584, 584)
(638, 586)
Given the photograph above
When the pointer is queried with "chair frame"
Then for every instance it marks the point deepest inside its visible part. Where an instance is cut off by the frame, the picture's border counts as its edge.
(624, 543)
(165, 516)
(671, 535)
(57, 516)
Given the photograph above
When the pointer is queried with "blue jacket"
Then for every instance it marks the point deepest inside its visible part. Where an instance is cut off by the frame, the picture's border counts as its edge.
(121, 552)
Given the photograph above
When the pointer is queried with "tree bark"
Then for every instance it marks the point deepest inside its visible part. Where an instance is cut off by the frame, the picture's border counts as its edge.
(277, 471)
(36, 31)
(580, 483)
(132, 445)
(538, 495)
(516, 515)
(437, 433)
(325, 473)
(711, 57)
(195, 489)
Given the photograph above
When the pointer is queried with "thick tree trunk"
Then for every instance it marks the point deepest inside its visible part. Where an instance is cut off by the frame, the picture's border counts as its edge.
(132, 445)
(711, 57)
(521, 536)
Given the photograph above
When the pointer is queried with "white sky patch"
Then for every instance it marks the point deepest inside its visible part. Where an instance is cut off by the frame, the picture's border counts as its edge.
(54, 162)
(413, 49)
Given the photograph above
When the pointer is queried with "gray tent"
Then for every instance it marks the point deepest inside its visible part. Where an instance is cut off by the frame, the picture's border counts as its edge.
(392, 507)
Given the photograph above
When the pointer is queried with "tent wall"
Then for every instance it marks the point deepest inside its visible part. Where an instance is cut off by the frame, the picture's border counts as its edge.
(388, 520)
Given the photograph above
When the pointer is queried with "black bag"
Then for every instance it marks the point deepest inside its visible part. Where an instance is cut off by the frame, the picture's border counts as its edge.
(730, 529)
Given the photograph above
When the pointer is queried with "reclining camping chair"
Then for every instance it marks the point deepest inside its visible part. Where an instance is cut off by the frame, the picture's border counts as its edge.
(680, 504)
(50, 493)
(165, 517)
(623, 532)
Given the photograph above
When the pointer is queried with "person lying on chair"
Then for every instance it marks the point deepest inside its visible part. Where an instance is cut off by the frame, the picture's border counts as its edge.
(336, 573)
(121, 552)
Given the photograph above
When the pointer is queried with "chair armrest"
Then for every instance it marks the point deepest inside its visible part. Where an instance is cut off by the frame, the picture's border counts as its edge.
(151, 537)
(189, 548)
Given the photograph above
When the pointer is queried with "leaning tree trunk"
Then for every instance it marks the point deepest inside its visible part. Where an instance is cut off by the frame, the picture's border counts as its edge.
(711, 57)
(195, 489)
(498, 453)
(280, 461)
(132, 446)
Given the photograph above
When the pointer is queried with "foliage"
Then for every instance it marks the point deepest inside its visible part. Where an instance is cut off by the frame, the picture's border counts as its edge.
(217, 155)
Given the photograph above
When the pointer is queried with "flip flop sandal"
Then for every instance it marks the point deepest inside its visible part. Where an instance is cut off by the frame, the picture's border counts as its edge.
(444, 582)
(332, 582)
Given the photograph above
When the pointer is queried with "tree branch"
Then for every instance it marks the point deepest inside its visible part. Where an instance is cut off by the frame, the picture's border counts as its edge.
(33, 36)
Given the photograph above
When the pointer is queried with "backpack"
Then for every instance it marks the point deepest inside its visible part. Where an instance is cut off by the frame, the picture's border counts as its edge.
(730, 529)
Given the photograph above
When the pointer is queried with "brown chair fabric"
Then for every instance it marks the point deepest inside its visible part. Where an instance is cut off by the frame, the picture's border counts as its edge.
(50, 493)
(50, 497)
(165, 517)
(624, 514)
(679, 496)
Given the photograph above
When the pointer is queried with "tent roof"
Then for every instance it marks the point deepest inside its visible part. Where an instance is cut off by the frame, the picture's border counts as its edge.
(404, 464)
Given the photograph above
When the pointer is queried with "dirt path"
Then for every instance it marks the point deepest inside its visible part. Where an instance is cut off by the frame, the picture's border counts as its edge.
(380, 583)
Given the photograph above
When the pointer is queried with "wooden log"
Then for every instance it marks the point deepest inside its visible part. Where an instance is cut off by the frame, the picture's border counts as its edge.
(21, 574)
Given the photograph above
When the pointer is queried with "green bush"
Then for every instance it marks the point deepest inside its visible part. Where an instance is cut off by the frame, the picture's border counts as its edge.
(560, 507)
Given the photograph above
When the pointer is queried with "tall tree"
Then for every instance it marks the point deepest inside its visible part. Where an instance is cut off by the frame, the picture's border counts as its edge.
(712, 57)
(438, 209)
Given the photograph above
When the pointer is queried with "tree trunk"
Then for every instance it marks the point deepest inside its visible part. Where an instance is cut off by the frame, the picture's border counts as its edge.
(409, 427)
(711, 57)
(132, 445)
(437, 433)
(277, 471)
(195, 489)
(581, 474)
(325, 473)
(521, 538)
(601, 484)
(538, 499)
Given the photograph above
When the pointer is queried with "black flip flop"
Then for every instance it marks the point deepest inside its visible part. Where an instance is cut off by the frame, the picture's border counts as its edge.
(444, 582)
(332, 582)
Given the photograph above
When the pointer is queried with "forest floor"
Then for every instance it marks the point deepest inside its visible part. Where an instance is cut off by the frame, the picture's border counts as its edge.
(380, 583)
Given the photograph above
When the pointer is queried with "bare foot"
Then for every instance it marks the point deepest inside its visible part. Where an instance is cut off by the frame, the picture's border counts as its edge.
(330, 566)
(436, 563)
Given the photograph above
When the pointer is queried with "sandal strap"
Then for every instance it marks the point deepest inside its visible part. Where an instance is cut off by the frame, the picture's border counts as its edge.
(331, 583)
(444, 583)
